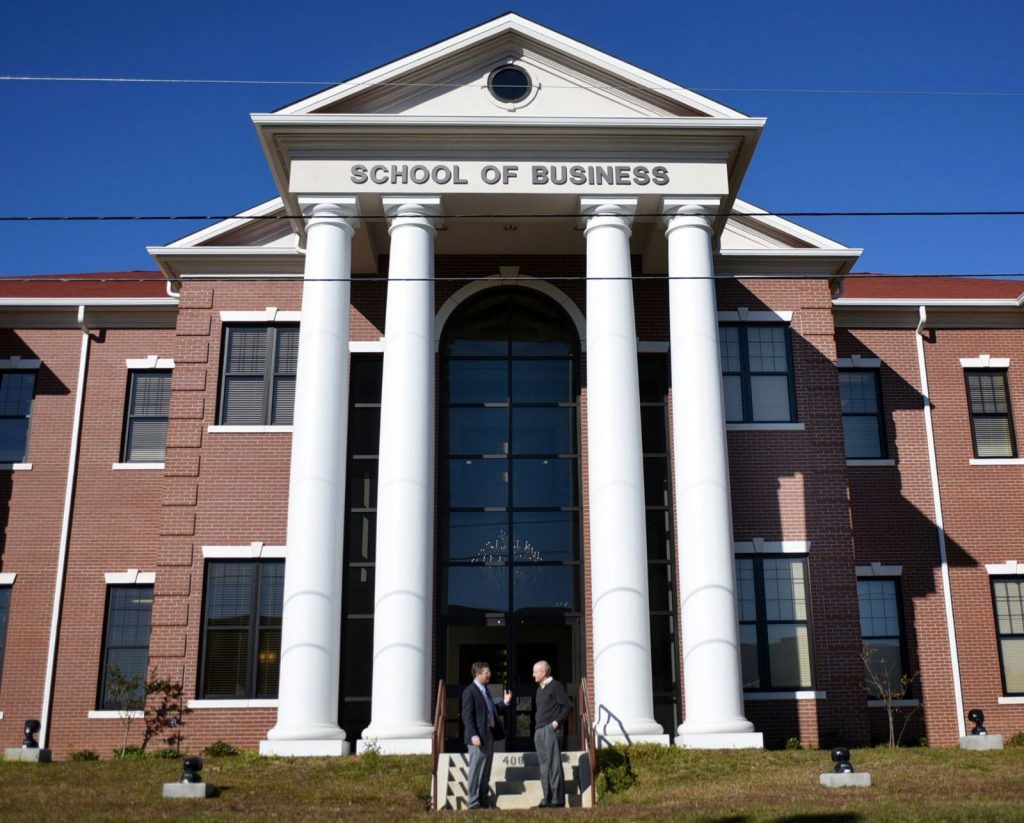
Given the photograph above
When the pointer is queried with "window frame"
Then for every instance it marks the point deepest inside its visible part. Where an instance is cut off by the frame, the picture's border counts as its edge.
(1009, 412)
(252, 632)
(31, 406)
(761, 622)
(106, 645)
(901, 637)
(879, 413)
(269, 371)
(993, 579)
(129, 417)
(6, 595)
(745, 373)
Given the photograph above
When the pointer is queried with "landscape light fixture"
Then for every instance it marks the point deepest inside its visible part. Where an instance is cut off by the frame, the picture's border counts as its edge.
(977, 717)
(31, 730)
(841, 757)
(193, 765)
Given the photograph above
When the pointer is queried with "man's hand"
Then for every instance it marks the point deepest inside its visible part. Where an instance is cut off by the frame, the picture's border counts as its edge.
(475, 740)
(508, 698)
(554, 724)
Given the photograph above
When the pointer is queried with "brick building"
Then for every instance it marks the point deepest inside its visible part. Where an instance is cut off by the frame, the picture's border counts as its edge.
(545, 401)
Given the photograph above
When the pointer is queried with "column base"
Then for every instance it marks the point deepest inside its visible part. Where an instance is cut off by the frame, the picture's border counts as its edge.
(720, 740)
(394, 745)
(982, 742)
(304, 748)
(629, 740)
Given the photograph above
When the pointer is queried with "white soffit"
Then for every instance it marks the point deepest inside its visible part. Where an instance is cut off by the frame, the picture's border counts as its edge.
(511, 36)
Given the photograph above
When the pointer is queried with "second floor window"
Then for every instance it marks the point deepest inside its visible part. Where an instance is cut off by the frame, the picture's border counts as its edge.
(145, 427)
(862, 413)
(991, 423)
(16, 390)
(757, 374)
(258, 375)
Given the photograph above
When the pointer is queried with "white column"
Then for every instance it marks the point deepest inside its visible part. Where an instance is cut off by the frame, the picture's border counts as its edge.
(624, 701)
(707, 576)
(401, 720)
(307, 714)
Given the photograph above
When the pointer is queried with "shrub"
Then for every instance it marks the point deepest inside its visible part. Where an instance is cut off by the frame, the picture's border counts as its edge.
(1016, 740)
(614, 771)
(165, 754)
(83, 754)
(220, 748)
(129, 753)
(793, 744)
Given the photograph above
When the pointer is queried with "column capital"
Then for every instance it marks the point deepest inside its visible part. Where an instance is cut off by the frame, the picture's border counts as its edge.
(607, 212)
(414, 211)
(341, 210)
(699, 209)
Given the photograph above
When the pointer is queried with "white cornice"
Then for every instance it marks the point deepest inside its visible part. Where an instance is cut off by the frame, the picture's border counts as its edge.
(75, 302)
(928, 302)
(794, 263)
(512, 25)
(759, 215)
(402, 123)
(224, 226)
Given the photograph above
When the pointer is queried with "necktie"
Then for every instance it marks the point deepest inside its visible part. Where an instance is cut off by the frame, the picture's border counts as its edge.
(490, 707)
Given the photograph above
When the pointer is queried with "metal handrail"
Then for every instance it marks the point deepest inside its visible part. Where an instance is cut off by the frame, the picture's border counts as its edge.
(588, 739)
(437, 741)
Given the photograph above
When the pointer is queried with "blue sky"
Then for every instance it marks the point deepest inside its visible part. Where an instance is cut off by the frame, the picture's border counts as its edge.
(77, 148)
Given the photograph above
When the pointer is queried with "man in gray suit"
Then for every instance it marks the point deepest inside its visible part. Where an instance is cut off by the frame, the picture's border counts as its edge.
(552, 704)
(483, 727)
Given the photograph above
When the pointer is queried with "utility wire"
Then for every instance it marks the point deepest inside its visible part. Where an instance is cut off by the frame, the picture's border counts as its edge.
(598, 86)
(68, 218)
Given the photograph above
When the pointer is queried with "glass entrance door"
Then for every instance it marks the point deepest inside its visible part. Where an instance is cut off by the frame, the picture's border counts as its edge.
(509, 576)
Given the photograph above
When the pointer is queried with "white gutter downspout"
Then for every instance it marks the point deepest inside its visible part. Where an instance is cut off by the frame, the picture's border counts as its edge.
(65, 533)
(947, 597)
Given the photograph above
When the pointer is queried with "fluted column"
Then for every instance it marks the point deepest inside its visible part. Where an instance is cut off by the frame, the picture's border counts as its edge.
(401, 711)
(618, 533)
(307, 714)
(707, 578)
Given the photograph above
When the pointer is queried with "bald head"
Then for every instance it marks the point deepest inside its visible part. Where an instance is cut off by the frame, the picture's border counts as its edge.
(541, 671)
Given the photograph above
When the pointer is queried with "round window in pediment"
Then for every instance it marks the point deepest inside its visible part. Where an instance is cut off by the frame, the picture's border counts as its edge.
(510, 84)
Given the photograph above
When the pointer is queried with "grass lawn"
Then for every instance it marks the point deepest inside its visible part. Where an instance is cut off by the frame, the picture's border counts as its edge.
(670, 784)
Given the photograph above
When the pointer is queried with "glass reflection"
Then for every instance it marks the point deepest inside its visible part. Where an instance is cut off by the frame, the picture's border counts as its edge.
(544, 587)
(478, 431)
(478, 484)
(548, 535)
(478, 381)
(542, 430)
(542, 381)
(543, 483)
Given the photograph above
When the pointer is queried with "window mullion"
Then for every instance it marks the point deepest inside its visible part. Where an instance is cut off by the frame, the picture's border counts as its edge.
(763, 658)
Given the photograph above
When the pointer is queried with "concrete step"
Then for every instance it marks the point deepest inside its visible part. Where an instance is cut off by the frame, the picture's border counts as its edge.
(515, 780)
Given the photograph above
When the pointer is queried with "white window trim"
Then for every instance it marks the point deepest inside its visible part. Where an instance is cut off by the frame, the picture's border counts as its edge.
(1010, 568)
(858, 362)
(137, 466)
(151, 362)
(271, 314)
(115, 714)
(878, 570)
(997, 461)
(745, 315)
(7, 578)
(254, 551)
(1003, 701)
(873, 461)
(985, 361)
(900, 704)
(768, 427)
(213, 703)
(800, 694)
(132, 577)
(250, 429)
(16, 467)
(1, 715)
(16, 363)
(366, 346)
(758, 545)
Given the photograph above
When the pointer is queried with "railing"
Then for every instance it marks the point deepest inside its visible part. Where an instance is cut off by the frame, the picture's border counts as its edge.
(588, 741)
(437, 742)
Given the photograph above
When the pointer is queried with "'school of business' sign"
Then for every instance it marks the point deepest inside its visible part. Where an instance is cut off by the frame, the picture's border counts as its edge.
(456, 174)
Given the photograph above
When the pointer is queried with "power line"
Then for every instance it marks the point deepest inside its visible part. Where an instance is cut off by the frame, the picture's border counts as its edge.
(597, 86)
(69, 218)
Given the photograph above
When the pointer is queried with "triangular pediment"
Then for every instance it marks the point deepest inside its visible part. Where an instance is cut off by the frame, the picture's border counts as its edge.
(570, 79)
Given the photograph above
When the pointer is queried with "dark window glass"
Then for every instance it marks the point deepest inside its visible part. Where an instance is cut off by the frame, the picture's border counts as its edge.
(16, 391)
(991, 421)
(510, 84)
(757, 373)
(1008, 595)
(258, 375)
(881, 632)
(479, 587)
(544, 587)
(774, 615)
(242, 636)
(5, 611)
(861, 403)
(125, 656)
(544, 536)
(145, 431)
(474, 430)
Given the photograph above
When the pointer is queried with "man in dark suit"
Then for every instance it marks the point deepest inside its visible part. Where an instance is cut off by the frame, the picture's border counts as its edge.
(480, 717)
(552, 704)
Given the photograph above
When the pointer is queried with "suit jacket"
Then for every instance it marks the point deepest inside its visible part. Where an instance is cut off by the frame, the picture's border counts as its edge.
(474, 716)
